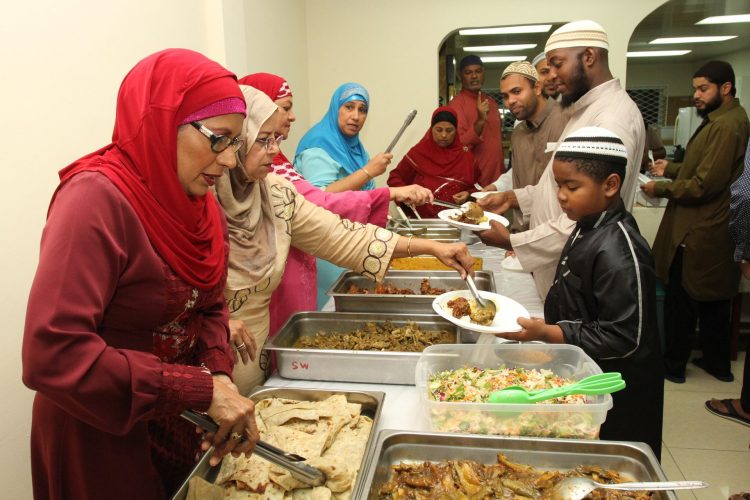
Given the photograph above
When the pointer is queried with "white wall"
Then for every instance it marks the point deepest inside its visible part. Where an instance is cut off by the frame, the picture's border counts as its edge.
(391, 46)
(62, 66)
(63, 63)
(275, 39)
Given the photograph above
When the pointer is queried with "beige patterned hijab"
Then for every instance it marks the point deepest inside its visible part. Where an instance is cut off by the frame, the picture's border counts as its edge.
(247, 205)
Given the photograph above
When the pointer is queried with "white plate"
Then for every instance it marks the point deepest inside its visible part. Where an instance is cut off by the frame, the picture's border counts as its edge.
(508, 311)
(451, 212)
(481, 194)
(512, 263)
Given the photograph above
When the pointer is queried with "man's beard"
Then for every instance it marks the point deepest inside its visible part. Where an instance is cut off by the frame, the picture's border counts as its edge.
(577, 87)
(711, 105)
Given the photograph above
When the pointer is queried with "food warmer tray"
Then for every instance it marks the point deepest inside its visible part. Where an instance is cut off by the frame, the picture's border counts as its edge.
(421, 304)
(380, 367)
(417, 223)
(392, 447)
(372, 405)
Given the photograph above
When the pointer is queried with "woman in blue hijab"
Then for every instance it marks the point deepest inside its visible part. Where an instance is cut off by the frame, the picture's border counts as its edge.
(330, 155)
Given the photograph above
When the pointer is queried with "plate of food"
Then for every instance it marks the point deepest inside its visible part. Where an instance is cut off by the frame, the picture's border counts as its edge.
(460, 308)
(471, 216)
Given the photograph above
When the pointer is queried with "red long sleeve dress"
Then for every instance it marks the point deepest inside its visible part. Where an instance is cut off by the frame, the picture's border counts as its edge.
(113, 345)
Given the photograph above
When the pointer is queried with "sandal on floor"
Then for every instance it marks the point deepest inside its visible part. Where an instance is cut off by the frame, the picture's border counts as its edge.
(729, 414)
(701, 363)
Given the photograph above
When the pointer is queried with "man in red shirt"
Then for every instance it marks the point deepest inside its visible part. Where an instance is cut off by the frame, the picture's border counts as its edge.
(479, 120)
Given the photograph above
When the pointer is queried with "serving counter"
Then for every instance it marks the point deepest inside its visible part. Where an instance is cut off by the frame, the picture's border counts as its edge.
(402, 409)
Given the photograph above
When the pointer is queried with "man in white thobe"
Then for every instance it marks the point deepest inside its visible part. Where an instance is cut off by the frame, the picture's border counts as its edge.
(578, 60)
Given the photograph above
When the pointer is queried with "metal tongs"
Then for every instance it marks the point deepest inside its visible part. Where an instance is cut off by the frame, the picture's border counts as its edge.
(293, 463)
(407, 122)
(447, 204)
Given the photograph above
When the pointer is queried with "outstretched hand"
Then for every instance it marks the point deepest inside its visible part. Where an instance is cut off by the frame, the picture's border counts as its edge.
(497, 236)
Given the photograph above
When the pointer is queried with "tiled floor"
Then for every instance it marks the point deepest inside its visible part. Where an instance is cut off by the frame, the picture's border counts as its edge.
(699, 445)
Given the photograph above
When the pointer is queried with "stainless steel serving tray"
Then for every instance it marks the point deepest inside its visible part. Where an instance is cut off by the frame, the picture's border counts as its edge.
(450, 235)
(372, 405)
(379, 367)
(392, 447)
(428, 223)
(421, 304)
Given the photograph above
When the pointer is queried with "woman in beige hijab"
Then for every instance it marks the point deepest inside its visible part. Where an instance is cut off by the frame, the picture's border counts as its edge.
(266, 216)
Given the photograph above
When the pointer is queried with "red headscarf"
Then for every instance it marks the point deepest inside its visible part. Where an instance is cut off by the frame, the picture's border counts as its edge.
(274, 87)
(141, 161)
(433, 160)
(444, 171)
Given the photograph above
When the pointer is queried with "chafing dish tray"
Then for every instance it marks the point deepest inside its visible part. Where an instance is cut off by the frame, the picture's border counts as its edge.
(448, 235)
(635, 460)
(449, 280)
(372, 404)
(417, 223)
(380, 367)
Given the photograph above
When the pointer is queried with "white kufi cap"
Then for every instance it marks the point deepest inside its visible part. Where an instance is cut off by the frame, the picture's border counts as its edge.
(578, 34)
(594, 143)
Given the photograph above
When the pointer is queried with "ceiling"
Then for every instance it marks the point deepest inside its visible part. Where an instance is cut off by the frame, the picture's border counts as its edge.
(674, 18)
(678, 18)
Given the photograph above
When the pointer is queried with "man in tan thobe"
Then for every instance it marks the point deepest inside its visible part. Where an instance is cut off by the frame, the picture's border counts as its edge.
(578, 60)
(541, 123)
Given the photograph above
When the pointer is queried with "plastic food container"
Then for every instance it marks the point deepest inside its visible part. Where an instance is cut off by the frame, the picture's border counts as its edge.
(580, 421)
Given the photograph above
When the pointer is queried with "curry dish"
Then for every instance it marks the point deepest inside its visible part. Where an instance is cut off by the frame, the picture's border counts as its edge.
(388, 289)
(379, 337)
(472, 480)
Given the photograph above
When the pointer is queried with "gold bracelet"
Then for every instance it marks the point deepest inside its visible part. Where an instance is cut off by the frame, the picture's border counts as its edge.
(408, 246)
(366, 173)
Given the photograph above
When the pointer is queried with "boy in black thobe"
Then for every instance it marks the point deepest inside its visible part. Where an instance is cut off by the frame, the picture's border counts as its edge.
(603, 298)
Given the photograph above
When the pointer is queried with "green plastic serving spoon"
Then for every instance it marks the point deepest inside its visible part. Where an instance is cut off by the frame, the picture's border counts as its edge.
(602, 383)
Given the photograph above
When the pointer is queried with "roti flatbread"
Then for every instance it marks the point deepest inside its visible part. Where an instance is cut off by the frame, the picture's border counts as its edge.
(331, 434)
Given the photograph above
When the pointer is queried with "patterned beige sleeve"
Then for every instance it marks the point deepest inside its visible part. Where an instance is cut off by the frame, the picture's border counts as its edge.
(364, 248)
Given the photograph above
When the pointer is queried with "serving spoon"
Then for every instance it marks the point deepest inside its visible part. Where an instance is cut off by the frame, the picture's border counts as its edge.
(484, 304)
(576, 488)
(601, 383)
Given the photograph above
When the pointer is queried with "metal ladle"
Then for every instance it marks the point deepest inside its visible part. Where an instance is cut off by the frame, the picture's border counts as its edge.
(576, 488)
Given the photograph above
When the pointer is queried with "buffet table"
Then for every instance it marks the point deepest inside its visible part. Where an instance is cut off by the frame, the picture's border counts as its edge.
(402, 409)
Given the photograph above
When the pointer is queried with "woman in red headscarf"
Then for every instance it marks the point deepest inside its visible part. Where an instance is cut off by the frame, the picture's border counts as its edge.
(126, 324)
(438, 162)
(298, 288)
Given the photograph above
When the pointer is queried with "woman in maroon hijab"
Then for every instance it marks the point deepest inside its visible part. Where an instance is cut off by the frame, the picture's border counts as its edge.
(126, 324)
(438, 162)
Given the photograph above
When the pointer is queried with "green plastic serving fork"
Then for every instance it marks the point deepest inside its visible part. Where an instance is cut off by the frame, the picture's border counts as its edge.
(602, 383)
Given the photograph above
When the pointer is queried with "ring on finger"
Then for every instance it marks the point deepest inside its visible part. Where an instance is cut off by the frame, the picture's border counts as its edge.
(241, 347)
(236, 436)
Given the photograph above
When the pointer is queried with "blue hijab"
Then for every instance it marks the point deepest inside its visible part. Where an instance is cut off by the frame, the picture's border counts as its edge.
(349, 152)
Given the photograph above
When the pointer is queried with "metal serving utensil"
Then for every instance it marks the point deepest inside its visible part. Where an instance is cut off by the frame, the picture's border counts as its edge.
(407, 122)
(290, 461)
(446, 204)
(576, 488)
(481, 303)
(413, 230)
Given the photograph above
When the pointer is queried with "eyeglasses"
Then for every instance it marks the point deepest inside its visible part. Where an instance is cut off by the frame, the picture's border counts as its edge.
(219, 142)
(269, 141)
